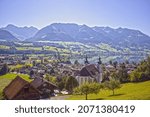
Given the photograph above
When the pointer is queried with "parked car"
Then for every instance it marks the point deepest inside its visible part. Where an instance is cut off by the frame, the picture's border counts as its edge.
(65, 92)
(56, 91)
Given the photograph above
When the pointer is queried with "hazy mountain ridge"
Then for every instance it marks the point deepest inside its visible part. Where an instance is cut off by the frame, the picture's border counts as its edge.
(85, 34)
(21, 33)
(68, 32)
(7, 36)
(78, 33)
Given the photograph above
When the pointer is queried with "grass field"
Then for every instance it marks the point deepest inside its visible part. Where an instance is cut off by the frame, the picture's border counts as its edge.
(18, 66)
(29, 48)
(128, 91)
(6, 79)
(4, 47)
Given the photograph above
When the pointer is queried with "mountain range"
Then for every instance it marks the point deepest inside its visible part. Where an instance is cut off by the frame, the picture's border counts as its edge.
(21, 33)
(7, 36)
(78, 33)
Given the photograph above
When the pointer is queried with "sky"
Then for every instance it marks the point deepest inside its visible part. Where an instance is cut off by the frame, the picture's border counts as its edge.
(133, 14)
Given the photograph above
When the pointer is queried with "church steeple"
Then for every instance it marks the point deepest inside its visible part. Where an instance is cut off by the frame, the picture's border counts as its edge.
(99, 77)
(99, 61)
(86, 60)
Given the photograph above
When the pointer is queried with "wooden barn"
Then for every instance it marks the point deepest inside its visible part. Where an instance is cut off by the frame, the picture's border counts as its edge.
(19, 89)
(45, 87)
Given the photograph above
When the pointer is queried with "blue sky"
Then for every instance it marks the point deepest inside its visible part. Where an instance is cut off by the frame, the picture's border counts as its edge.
(134, 14)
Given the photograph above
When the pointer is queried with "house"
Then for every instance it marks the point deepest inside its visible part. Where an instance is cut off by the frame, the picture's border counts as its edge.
(45, 87)
(89, 73)
(110, 68)
(19, 89)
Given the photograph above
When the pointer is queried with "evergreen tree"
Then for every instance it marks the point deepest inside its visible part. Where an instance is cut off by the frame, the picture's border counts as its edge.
(31, 73)
(110, 62)
(76, 62)
(115, 64)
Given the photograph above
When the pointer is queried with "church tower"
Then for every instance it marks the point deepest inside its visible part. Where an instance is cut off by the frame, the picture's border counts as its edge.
(99, 67)
(86, 60)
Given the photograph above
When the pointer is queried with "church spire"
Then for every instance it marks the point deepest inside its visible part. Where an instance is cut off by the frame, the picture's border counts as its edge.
(99, 61)
(99, 77)
(86, 60)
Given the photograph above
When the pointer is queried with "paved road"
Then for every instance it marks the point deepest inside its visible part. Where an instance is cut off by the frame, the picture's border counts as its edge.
(59, 97)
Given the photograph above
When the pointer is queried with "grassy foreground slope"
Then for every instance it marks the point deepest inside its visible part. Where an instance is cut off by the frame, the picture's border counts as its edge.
(128, 91)
(6, 79)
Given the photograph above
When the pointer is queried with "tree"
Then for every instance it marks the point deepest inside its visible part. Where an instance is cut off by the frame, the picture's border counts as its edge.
(88, 88)
(135, 76)
(76, 62)
(31, 73)
(61, 85)
(71, 83)
(52, 71)
(4, 70)
(115, 64)
(112, 85)
(127, 62)
(114, 75)
(110, 62)
(122, 73)
(53, 79)
(34, 63)
(142, 72)
(76, 90)
(60, 82)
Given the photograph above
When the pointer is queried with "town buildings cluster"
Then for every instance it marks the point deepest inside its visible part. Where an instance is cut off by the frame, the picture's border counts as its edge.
(38, 67)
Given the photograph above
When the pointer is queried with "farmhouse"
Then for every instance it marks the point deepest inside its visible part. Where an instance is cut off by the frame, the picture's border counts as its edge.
(45, 87)
(19, 89)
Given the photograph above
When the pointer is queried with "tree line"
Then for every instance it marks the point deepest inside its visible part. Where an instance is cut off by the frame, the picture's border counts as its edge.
(94, 88)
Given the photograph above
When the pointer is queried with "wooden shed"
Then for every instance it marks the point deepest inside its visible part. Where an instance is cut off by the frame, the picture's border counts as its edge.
(19, 89)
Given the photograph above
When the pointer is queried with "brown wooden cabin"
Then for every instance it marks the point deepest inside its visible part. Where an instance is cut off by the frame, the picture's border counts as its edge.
(19, 89)
(45, 87)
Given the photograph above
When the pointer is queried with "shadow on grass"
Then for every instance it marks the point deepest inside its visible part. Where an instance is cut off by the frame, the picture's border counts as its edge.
(116, 95)
(97, 99)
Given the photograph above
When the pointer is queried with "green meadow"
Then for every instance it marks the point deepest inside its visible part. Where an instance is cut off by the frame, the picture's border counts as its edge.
(128, 91)
(6, 79)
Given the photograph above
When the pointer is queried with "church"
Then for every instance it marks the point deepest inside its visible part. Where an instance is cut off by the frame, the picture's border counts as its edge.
(90, 72)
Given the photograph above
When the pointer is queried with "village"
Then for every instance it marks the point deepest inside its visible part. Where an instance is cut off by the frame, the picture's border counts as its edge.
(52, 76)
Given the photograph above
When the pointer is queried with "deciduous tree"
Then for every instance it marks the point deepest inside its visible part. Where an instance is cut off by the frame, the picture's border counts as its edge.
(112, 85)
(88, 88)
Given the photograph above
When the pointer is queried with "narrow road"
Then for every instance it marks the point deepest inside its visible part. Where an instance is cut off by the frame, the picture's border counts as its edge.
(59, 97)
